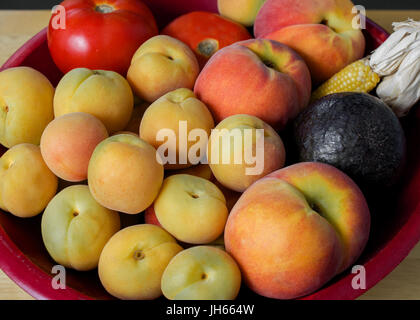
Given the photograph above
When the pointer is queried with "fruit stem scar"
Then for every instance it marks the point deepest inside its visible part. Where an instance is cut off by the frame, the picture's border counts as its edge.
(138, 255)
(208, 47)
(315, 208)
(6, 108)
(269, 64)
(325, 23)
(193, 195)
(104, 8)
(75, 214)
(204, 276)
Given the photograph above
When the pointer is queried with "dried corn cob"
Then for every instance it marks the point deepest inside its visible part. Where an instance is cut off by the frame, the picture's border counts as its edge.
(356, 77)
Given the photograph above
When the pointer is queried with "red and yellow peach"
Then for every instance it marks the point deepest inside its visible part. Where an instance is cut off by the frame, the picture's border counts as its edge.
(321, 32)
(294, 230)
(279, 88)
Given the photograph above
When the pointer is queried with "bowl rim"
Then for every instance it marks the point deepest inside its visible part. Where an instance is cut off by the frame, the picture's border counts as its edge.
(37, 283)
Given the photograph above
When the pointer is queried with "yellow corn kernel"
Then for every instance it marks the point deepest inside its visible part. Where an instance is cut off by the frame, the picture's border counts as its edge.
(356, 77)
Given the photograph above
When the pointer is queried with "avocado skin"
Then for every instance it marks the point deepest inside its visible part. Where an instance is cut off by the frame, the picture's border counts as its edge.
(355, 132)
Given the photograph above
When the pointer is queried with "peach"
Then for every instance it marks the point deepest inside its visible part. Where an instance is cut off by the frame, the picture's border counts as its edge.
(321, 32)
(26, 106)
(279, 88)
(26, 183)
(68, 143)
(180, 112)
(294, 230)
(75, 228)
(241, 11)
(133, 261)
(162, 64)
(103, 94)
(239, 155)
(192, 209)
(125, 174)
(201, 273)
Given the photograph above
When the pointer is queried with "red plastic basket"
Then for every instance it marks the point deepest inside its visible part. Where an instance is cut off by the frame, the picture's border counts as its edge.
(396, 216)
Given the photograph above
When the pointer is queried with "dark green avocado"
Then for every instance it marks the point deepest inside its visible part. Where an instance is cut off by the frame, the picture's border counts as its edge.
(355, 132)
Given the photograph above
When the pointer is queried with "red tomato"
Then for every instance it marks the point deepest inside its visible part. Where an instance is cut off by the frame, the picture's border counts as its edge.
(205, 33)
(99, 34)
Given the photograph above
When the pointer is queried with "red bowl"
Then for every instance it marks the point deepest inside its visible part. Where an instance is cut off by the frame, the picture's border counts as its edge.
(395, 215)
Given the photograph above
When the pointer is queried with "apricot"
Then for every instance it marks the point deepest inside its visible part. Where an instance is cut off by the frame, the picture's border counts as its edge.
(241, 11)
(201, 273)
(162, 64)
(26, 183)
(103, 94)
(125, 174)
(75, 228)
(68, 143)
(242, 149)
(133, 261)
(26, 106)
(180, 113)
(192, 209)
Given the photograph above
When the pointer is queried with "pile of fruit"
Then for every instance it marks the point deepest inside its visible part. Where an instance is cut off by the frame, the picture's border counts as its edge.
(134, 128)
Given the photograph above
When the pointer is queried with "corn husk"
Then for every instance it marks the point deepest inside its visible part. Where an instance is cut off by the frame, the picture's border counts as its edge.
(401, 91)
(388, 57)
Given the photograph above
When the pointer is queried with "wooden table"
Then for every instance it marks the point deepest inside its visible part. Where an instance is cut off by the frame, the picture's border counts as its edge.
(16, 27)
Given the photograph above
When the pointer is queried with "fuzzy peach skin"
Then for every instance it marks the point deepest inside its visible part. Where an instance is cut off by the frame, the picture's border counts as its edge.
(345, 208)
(26, 106)
(321, 31)
(68, 143)
(75, 228)
(103, 94)
(125, 174)
(229, 139)
(192, 209)
(167, 113)
(279, 88)
(241, 11)
(162, 64)
(201, 273)
(26, 183)
(294, 230)
(133, 261)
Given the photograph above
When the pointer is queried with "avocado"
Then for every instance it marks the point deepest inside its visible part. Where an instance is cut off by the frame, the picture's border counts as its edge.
(355, 132)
